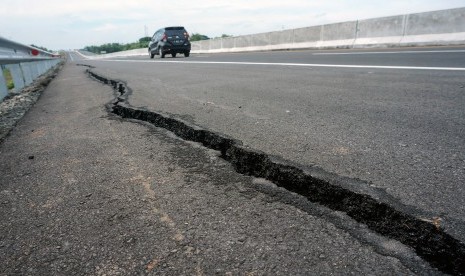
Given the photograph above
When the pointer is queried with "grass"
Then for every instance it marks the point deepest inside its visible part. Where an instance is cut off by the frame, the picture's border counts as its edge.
(9, 79)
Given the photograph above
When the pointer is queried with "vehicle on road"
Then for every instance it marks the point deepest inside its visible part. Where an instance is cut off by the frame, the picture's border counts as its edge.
(170, 40)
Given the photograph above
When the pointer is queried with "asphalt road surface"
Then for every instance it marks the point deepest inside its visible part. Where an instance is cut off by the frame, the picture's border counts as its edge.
(83, 192)
(387, 123)
(393, 118)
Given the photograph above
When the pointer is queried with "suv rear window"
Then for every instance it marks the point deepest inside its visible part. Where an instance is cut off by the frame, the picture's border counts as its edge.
(174, 28)
(175, 32)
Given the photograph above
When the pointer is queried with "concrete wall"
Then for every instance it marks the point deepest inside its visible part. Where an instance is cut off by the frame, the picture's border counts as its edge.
(381, 27)
(339, 31)
(385, 31)
(449, 21)
(446, 27)
(229, 42)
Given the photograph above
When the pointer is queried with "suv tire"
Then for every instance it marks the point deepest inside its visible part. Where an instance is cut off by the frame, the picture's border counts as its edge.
(186, 54)
(160, 52)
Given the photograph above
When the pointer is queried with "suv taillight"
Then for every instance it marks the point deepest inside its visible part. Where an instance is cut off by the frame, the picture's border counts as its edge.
(164, 38)
(186, 35)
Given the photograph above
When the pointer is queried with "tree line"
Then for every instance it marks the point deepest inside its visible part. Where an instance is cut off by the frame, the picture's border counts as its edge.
(197, 37)
(117, 47)
(142, 43)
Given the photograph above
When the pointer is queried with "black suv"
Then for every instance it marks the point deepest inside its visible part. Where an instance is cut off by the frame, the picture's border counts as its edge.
(170, 40)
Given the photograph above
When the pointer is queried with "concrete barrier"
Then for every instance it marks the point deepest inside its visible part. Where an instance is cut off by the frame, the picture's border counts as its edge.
(243, 41)
(216, 44)
(201, 45)
(435, 28)
(308, 34)
(338, 35)
(306, 38)
(260, 40)
(442, 22)
(228, 42)
(283, 38)
(386, 31)
(446, 27)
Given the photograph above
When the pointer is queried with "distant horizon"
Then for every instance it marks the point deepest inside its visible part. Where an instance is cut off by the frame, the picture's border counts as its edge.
(62, 26)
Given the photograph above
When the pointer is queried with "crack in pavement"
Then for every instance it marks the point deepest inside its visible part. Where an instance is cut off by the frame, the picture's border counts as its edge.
(427, 238)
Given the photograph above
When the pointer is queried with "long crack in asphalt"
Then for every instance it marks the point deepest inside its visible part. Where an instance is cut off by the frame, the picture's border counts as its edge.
(428, 240)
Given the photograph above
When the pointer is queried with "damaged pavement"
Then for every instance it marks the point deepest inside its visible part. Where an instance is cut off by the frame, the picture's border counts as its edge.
(109, 195)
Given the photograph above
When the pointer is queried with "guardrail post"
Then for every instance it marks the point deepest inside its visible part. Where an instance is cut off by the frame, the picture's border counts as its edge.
(43, 67)
(27, 72)
(3, 88)
(17, 76)
(32, 68)
(35, 69)
(40, 68)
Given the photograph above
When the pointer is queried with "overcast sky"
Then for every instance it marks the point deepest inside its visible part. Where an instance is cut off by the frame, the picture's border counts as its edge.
(58, 24)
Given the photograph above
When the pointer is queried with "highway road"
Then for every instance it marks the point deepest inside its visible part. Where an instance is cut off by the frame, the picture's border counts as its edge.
(389, 123)
(83, 192)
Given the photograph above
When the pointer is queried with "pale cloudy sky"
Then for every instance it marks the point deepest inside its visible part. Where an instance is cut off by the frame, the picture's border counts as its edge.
(58, 24)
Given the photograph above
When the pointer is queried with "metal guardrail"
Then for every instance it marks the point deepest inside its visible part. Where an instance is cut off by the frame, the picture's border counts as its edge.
(24, 64)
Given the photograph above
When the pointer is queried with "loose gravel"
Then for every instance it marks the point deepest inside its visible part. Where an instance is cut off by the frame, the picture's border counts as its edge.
(17, 103)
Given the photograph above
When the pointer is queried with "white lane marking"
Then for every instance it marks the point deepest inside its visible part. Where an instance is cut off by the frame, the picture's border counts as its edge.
(398, 52)
(293, 64)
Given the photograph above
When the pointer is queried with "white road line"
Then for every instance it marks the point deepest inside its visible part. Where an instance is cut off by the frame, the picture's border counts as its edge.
(398, 52)
(293, 64)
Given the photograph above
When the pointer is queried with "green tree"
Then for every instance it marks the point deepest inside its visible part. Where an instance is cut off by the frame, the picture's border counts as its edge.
(144, 41)
(197, 37)
(116, 47)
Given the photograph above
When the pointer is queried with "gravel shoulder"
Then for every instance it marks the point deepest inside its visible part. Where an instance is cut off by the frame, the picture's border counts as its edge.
(17, 103)
(83, 192)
